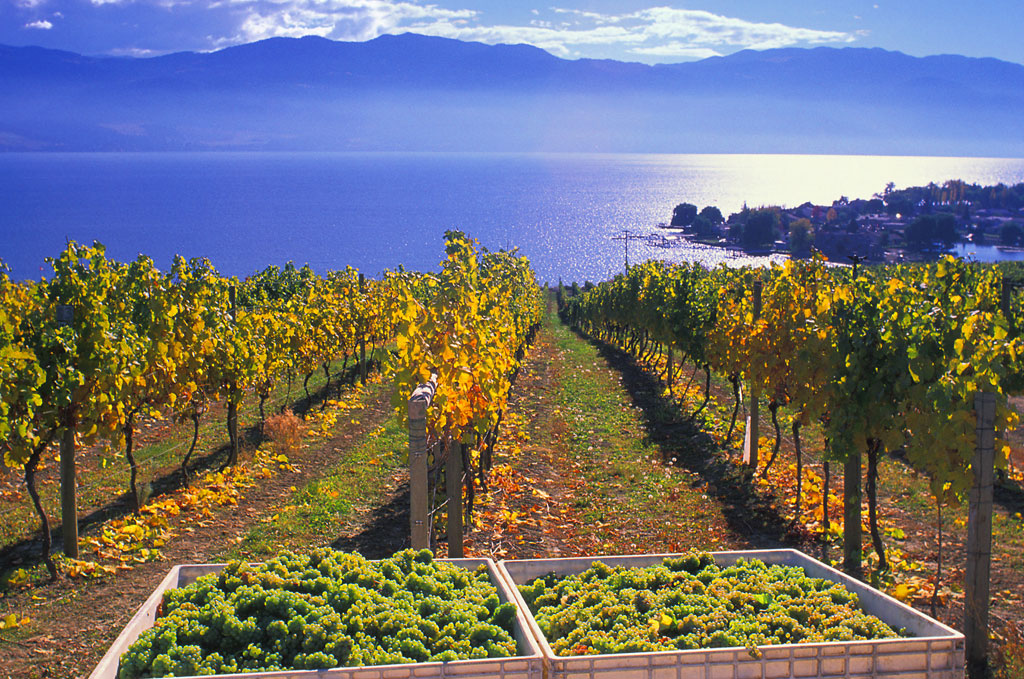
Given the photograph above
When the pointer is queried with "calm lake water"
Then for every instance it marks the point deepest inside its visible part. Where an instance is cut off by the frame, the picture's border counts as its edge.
(245, 211)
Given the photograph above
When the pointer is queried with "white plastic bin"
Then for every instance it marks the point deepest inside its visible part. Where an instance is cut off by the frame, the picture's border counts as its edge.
(934, 651)
(526, 666)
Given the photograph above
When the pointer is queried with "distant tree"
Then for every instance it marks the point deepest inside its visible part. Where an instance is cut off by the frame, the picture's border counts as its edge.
(684, 214)
(736, 229)
(761, 228)
(712, 214)
(831, 215)
(1011, 234)
(703, 227)
(801, 237)
(852, 226)
(982, 230)
(897, 204)
(928, 230)
(874, 206)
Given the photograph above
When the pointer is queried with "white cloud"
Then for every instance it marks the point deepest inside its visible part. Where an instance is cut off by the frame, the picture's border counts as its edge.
(337, 19)
(42, 25)
(657, 31)
(592, 16)
(706, 29)
(648, 33)
(136, 52)
(676, 49)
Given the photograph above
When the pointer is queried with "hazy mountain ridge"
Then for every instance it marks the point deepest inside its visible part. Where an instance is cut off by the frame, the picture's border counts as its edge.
(413, 92)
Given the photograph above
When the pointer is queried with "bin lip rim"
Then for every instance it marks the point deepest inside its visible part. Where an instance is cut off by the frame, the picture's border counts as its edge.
(953, 636)
(497, 575)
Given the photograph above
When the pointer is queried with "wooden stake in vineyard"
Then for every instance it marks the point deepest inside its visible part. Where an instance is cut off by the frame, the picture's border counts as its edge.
(753, 430)
(979, 537)
(68, 473)
(418, 494)
(853, 533)
(362, 337)
(670, 377)
(453, 484)
(232, 404)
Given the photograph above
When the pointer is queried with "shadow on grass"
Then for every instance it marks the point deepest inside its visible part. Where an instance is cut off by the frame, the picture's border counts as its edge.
(683, 443)
(386, 531)
(1009, 494)
(26, 553)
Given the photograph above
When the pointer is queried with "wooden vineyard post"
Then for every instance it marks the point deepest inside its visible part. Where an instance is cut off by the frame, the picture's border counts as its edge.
(852, 513)
(670, 376)
(750, 441)
(852, 528)
(1004, 302)
(362, 338)
(68, 493)
(979, 537)
(232, 405)
(453, 482)
(418, 403)
(68, 473)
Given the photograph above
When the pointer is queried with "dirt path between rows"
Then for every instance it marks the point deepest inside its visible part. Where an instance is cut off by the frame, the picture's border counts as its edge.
(535, 487)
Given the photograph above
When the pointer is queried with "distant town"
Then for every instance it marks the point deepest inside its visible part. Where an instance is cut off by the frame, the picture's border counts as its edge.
(915, 223)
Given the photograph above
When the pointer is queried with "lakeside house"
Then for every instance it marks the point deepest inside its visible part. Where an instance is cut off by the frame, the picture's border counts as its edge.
(897, 224)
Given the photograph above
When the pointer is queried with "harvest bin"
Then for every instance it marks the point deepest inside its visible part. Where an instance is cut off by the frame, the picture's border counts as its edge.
(934, 650)
(526, 666)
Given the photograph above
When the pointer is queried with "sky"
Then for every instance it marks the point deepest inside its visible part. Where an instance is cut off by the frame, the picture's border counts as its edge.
(649, 31)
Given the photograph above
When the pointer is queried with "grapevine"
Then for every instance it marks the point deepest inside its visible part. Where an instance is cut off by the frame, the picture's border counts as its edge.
(886, 358)
(102, 343)
(467, 326)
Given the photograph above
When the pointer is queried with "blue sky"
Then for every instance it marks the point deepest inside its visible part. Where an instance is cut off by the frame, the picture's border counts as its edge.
(628, 30)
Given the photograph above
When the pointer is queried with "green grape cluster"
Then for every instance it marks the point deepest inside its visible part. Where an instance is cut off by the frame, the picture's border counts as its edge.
(324, 609)
(690, 602)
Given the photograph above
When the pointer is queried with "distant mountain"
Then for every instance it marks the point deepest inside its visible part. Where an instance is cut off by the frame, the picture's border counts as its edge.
(418, 93)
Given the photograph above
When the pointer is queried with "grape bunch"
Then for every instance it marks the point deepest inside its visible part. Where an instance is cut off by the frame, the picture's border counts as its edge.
(324, 609)
(690, 602)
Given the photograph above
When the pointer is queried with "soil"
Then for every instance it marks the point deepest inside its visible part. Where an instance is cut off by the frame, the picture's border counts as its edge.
(542, 483)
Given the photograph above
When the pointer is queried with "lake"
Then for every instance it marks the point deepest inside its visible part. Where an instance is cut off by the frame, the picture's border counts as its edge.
(376, 211)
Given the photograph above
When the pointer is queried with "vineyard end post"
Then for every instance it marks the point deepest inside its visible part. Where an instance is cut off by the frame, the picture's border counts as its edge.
(979, 537)
(418, 404)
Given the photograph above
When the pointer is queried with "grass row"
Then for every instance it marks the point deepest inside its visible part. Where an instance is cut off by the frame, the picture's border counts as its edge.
(322, 509)
(629, 500)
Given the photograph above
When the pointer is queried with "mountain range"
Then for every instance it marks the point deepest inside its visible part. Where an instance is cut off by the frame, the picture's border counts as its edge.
(417, 93)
